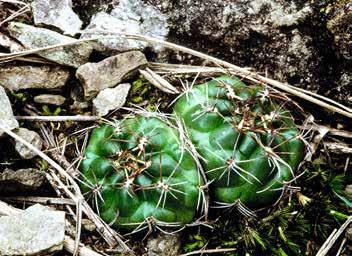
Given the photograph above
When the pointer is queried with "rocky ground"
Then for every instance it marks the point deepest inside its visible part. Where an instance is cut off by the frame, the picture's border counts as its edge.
(51, 98)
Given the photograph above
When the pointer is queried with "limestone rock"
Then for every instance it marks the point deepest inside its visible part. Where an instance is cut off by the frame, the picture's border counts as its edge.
(110, 99)
(7, 119)
(37, 230)
(340, 25)
(109, 72)
(32, 37)
(57, 13)
(21, 180)
(30, 136)
(50, 99)
(348, 233)
(348, 191)
(10, 44)
(261, 34)
(130, 16)
(18, 77)
(164, 245)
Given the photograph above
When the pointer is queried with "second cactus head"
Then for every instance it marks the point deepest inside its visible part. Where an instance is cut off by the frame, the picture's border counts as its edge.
(247, 139)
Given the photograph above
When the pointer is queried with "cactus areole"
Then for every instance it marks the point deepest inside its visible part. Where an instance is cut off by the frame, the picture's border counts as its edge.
(138, 173)
(249, 144)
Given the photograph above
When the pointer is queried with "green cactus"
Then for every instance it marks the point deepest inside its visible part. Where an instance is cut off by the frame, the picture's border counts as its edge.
(139, 171)
(248, 141)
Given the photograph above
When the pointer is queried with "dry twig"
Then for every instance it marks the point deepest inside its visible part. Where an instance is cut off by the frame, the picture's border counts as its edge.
(40, 200)
(25, 8)
(78, 118)
(209, 251)
(333, 237)
(158, 81)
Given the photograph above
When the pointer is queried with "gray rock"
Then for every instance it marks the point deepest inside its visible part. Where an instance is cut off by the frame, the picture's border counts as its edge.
(280, 15)
(109, 72)
(261, 34)
(79, 106)
(103, 21)
(293, 56)
(31, 137)
(164, 245)
(32, 37)
(50, 99)
(110, 99)
(37, 230)
(10, 44)
(21, 180)
(7, 119)
(348, 191)
(18, 77)
(344, 88)
(340, 25)
(348, 233)
(57, 13)
(86, 9)
(130, 16)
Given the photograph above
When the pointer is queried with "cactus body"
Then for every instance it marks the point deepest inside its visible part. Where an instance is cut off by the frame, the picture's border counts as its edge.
(140, 171)
(247, 139)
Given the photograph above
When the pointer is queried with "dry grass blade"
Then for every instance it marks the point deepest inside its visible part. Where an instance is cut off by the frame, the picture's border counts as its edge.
(209, 251)
(166, 68)
(5, 57)
(78, 118)
(25, 8)
(338, 147)
(34, 59)
(40, 200)
(13, 2)
(331, 131)
(158, 81)
(333, 237)
(83, 251)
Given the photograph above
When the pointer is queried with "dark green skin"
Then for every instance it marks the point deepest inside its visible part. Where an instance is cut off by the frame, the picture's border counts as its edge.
(213, 119)
(127, 207)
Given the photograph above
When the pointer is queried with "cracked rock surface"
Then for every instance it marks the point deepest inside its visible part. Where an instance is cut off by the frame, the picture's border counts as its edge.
(110, 99)
(31, 137)
(129, 16)
(7, 119)
(56, 13)
(32, 37)
(22, 180)
(19, 77)
(290, 41)
(109, 72)
(37, 230)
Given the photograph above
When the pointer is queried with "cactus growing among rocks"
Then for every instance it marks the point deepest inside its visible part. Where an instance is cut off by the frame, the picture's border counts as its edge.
(139, 172)
(247, 139)
(145, 169)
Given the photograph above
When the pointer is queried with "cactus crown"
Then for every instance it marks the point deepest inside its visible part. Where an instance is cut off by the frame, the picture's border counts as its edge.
(248, 141)
(142, 170)
(139, 171)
